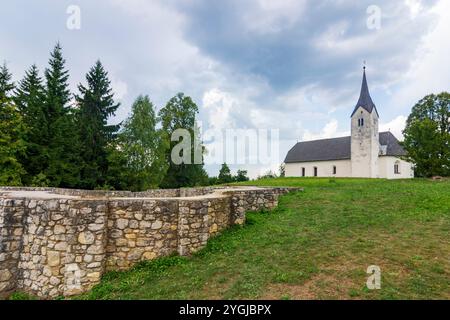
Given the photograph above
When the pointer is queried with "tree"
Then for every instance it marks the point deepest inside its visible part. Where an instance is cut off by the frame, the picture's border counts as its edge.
(6, 85)
(225, 174)
(29, 99)
(96, 104)
(213, 181)
(61, 138)
(11, 132)
(180, 113)
(144, 147)
(268, 175)
(427, 135)
(241, 176)
(282, 170)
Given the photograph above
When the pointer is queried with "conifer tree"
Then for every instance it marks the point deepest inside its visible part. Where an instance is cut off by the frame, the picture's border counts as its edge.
(96, 104)
(62, 138)
(29, 99)
(11, 131)
(225, 174)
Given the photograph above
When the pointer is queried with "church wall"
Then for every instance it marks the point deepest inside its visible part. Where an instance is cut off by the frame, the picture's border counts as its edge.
(324, 168)
(364, 144)
(386, 168)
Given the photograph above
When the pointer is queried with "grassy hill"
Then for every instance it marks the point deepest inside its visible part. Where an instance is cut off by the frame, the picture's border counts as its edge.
(316, 244)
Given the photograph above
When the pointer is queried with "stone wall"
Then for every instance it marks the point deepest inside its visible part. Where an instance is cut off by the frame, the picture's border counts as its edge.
(63, 246)
(140, 230)
(11, 230)
(53, 245)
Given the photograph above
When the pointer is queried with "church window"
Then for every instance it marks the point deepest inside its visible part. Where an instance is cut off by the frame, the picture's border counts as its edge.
(360, 122)
(334, 169)
(303, 172)
(315, 171)
(397, 167)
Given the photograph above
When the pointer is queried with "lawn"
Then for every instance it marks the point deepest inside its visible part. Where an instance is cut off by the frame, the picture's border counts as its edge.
(316, 245)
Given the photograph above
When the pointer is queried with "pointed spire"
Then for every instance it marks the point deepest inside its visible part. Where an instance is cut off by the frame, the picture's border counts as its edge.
(365, 101)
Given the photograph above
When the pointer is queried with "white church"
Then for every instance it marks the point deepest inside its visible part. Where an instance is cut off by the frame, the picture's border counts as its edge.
(366, 153)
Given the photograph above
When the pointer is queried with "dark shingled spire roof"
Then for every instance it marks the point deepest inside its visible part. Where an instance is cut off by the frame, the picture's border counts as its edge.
(365, 101)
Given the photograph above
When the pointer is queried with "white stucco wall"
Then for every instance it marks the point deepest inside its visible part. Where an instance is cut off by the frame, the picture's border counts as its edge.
(386, 168)
(365, 144)
(344, 168)
(324, 168)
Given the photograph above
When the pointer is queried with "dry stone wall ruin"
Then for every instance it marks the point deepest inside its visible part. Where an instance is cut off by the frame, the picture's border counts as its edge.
(57, 242)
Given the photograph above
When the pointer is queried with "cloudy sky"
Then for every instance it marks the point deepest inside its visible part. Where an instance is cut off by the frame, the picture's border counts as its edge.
(291, 65)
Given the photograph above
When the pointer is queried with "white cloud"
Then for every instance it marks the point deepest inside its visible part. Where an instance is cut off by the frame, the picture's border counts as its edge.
(218, 106)
(428, 72)
(120, 88)
(269, 17)
(415, 6)
(330, 130)
(395, 126)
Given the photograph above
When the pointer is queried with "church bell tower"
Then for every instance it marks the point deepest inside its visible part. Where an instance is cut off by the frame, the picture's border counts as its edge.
(365, 145)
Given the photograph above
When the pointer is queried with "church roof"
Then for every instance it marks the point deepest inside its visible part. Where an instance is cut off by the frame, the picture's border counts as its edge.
(337, 149)
(365, 101)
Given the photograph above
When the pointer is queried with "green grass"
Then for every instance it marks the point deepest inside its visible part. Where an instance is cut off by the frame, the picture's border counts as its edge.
(316, 245)
(21, 296)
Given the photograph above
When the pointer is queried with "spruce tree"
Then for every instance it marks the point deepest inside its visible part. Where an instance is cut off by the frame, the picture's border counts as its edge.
(62, 139)
(12, 145)
(225, 174)
(96, 104)
(6, 85)
(29, 98)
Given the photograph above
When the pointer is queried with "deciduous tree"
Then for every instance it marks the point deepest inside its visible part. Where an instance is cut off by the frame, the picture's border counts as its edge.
(180, 113)
(427, 135)
(144, 147)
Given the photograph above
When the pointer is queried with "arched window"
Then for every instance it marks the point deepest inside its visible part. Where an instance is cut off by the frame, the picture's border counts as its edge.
(334, 169)
(315, 171)
(303, 172)
(397, 167)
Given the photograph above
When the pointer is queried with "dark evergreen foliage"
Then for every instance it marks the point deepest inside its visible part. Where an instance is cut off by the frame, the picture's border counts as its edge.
(12, 145)
(96, 104)
(30, 98)
(225, 174)
(62, 168)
